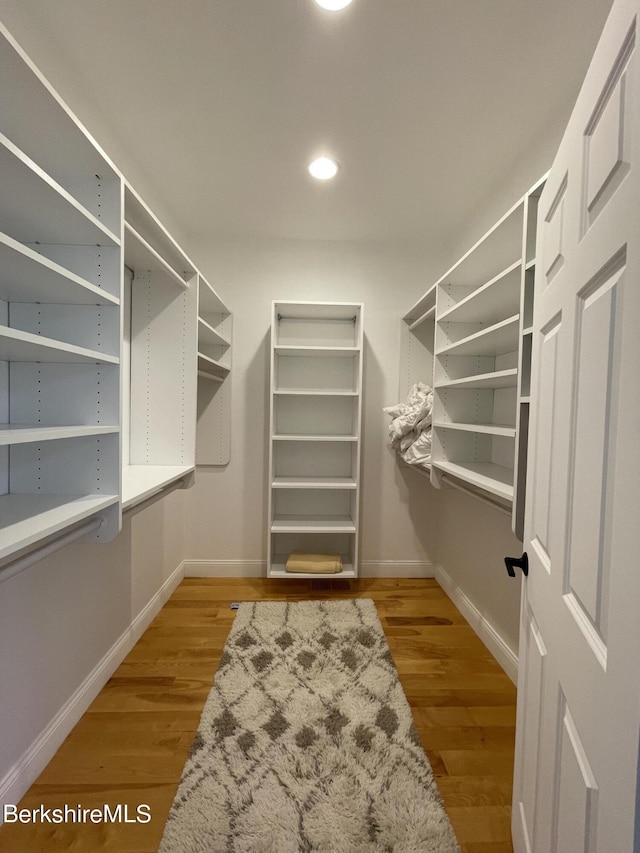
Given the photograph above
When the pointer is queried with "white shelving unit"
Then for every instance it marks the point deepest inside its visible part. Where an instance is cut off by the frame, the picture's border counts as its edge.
(213, 443)
(160, 353)
(315, 423)
(60, 303)
(471, 333)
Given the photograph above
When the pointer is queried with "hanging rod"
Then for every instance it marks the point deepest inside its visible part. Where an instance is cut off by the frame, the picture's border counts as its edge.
(444, 478)
(161, 493)
(39, 551)
(319, 319)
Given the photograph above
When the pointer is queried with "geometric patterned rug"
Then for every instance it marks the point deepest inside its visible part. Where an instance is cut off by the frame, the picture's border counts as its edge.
(307, 743)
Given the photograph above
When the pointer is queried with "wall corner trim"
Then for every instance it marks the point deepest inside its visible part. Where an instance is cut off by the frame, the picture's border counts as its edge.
(34, 759)
(496, 644)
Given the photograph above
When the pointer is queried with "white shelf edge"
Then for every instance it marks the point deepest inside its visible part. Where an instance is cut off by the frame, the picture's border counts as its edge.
(484, 429)
(479, 292)
(212, 336)
(210, 366)
(221, 308)
(280, 572)
(35, 260)
(480, 336)
(428, 315)
(30, 518)
(530, 264)
(11, 434)
(314, 392)
(470, 472)
(427, 298)
(484, 378)
(317, 524)
(49, 346)
(343, 483)
(287, 437)
(157, 260)
(527, 331)
(140, 482)
(285, 349)
(57, 189)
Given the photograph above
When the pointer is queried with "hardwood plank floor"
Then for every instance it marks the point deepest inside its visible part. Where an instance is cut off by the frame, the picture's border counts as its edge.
(132, 743)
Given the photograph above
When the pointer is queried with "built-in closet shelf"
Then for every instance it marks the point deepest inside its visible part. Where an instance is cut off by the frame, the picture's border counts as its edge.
(209, 336)
(209, 301)
(26, 433)
(314, 483)
(489, 303)
(428, 315)
(423, 310)
(498, 338)
(477, 356)
(484, 429)
(16, 345)
(27, 519)
(495, 379)
(314, 436)
(304, 524)
(496, 479)
(314, 392)
(140, 256)
(27, 276)
(349, 352)
(40, 210)
(211, 368)
(141, 219)
(296, 437)
(526, 400)
(140, 482)
(278, 570)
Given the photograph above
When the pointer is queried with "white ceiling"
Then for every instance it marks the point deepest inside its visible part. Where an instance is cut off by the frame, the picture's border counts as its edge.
(220, 104)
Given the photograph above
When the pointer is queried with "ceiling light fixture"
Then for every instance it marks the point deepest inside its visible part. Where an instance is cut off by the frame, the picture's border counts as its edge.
(323, 169)
(333, 5)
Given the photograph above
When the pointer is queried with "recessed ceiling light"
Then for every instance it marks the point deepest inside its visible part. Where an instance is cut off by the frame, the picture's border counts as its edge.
(323, 168)
(333, 5)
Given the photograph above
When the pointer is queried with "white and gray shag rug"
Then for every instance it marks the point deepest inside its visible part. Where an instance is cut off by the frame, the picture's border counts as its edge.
(307, 743)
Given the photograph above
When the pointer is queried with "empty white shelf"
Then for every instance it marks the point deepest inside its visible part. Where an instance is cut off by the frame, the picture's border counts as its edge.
(41, 210)
(497, 339)
(209, 301)
(417, 313)
(485, 429)
(16, 345)
(312, 524)
(27, 519)
(486, 475)
(27, 276)
(495, 379)
(315, 392)
(210, 366)
(428, 315)
(315, 437)
(314, 483)
(350, 352)
(208, 335)
(26, 433)
(140, 256)
(140, 482)
(499, 296)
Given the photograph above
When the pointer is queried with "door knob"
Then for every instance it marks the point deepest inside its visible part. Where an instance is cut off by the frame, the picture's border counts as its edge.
(520, 562)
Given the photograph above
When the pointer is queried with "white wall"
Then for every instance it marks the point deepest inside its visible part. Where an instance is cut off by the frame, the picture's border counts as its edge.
(228, 506)
(64, 624)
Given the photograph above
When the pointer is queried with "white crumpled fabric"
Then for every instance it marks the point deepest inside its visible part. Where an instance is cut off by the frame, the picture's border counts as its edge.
(410, 429)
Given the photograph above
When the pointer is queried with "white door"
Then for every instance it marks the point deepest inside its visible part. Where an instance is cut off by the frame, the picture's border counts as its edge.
(579, 685)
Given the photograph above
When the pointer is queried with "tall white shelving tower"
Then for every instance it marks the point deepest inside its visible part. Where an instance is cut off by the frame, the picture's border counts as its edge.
(315, 425)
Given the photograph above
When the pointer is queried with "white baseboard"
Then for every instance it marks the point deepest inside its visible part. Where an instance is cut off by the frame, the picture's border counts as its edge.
(33, 761)
(496, 644)
(258, 569)
(396, 569)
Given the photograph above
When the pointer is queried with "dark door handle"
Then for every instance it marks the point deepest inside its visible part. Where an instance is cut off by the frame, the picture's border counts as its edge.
(520, 562)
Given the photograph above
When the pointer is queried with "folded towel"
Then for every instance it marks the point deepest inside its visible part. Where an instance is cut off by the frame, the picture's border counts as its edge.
(325, 564)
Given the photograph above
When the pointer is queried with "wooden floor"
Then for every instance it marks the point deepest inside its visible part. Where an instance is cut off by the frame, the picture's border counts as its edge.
(131, 744)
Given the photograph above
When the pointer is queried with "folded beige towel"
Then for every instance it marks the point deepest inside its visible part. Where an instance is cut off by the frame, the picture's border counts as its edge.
(325, 564)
